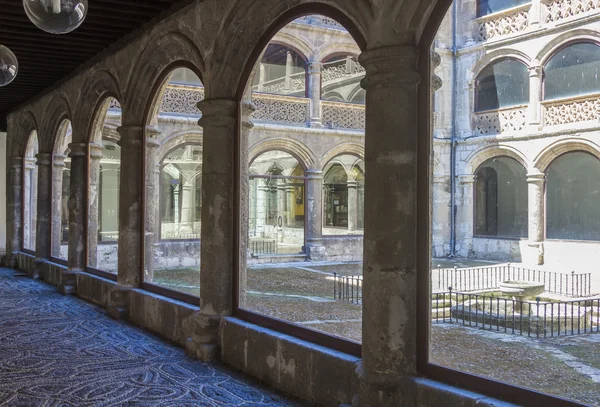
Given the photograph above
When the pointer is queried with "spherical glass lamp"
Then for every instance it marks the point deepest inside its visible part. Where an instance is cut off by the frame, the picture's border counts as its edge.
(9, 66)
(56, 16)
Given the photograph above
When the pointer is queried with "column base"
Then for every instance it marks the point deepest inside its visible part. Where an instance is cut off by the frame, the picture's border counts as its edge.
(10, 260)
(68, 283)
(118, 307)
(534, 254)
(316, 124)
(316, 251)
(36, 273)
(393, 391)
(203, 340)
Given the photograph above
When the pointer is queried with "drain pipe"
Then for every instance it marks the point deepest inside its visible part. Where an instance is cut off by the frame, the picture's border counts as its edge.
(453, 139)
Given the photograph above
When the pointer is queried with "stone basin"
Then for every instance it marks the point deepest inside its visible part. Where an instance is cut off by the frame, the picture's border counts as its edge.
(521, 290)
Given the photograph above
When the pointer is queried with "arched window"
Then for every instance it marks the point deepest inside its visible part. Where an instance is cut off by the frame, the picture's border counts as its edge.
(281, 71)
(485, 7)
(61, 186)
(30, 189)
(343, 196)
(573, 71)
(502, 84)
(501, 199)
(573, 197)
(276, 204)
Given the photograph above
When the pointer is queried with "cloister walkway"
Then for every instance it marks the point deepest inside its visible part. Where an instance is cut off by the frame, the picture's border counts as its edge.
(61, 351)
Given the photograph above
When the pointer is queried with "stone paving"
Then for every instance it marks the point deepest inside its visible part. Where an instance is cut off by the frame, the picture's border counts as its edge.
(61, 351)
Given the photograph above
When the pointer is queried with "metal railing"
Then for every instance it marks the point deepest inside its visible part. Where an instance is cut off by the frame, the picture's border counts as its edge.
(180, 236)
(489, 277)
(258, 247)
(533, 319)
(347, 288)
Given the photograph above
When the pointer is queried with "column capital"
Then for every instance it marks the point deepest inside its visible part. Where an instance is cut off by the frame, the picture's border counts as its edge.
(78, 149)
(96, 151)
(352, 184)
(466, 179)
(536, 177)
(217, 112)
(59, 160)
(536, 69)
(44, 159)
(391, 64)
(247, 109)
(314, 174)
(314, 67)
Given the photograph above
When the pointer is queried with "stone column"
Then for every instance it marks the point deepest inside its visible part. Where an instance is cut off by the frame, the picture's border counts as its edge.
(14, 205)
(352, 205)
(262, 77)
(58, 168)
(217, 235)
(291, 205)
(536, 182)
(313, 215)
(44, 213)
(534, 112)
(152, 215)
(282, 203)
(77, 217)
(93, 226)
(30, 206)
(465, 215)
(314, 93)
(131, 188)
(261, 205)
(390, 252)
(535, 13)
(289, 67)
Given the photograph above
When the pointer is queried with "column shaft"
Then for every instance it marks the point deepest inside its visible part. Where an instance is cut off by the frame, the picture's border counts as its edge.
(535, 182)
(77, 218)
(152, 202)
(352, 206)
(44, 212)
(313, 215)
(390, 252)
(93, 226)
(14, 205)
(535, 96)
(57, 202)
(314, 93)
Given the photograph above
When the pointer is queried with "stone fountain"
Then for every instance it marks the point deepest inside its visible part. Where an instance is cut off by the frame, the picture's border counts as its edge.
(521, 291)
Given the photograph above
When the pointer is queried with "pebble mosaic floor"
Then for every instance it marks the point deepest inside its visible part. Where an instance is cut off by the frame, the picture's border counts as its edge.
(60, 351)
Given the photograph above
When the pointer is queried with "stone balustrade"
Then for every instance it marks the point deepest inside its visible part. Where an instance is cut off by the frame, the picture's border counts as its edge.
(572, 110)
(512, 21)
(559, 10)
(343, 115)
(507, 120)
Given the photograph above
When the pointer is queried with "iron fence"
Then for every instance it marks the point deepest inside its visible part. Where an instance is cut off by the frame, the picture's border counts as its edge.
(532, 319)
(489, 277)
(347, 288)
(258, 247)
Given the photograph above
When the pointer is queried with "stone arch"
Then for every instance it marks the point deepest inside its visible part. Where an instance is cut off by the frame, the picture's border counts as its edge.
(480, 156)
(500, 54)
(298, 150)
(295, 43)
(162, 54)
(61, 136)
(177, 140)
(543, 160)
(96, 91)
(239, 57)
(57, 113)
(571, 36)
(27, 124)
(337, 48)
(348, 148)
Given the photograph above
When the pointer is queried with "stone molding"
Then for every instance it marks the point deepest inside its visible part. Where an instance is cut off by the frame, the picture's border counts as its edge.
(218, 112)
(391, 64)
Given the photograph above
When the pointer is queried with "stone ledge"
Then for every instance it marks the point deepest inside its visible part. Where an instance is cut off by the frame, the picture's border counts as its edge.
(314, 373)
(433, 394)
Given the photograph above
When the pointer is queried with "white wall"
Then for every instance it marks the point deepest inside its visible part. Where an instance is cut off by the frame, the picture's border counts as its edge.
(2, 192)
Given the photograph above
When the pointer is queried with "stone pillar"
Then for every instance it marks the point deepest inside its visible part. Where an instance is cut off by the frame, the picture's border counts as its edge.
(93, 227)
(14, 206)
(390, 252)
(58, 168)
(534, 112)
(262, 77)
(282, 203)
(313, 215)
(261, 205)
(352, 205)
(465, 210)
(152, 215)
(536, 182)
(314, 93)
(44, 213)
(289, 68)
(217, 235)
(291, 205)
(131, 188)
(77, 218)
(30, 205)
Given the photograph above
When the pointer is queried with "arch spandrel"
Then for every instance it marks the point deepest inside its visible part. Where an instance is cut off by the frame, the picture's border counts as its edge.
(58, 111)
(162, 54)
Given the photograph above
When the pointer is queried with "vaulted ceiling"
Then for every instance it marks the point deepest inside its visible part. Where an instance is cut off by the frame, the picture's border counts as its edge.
(47, 59)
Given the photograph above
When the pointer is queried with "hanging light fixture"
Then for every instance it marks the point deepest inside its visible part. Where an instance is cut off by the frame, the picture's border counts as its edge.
(56, 16)
(9, 66)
